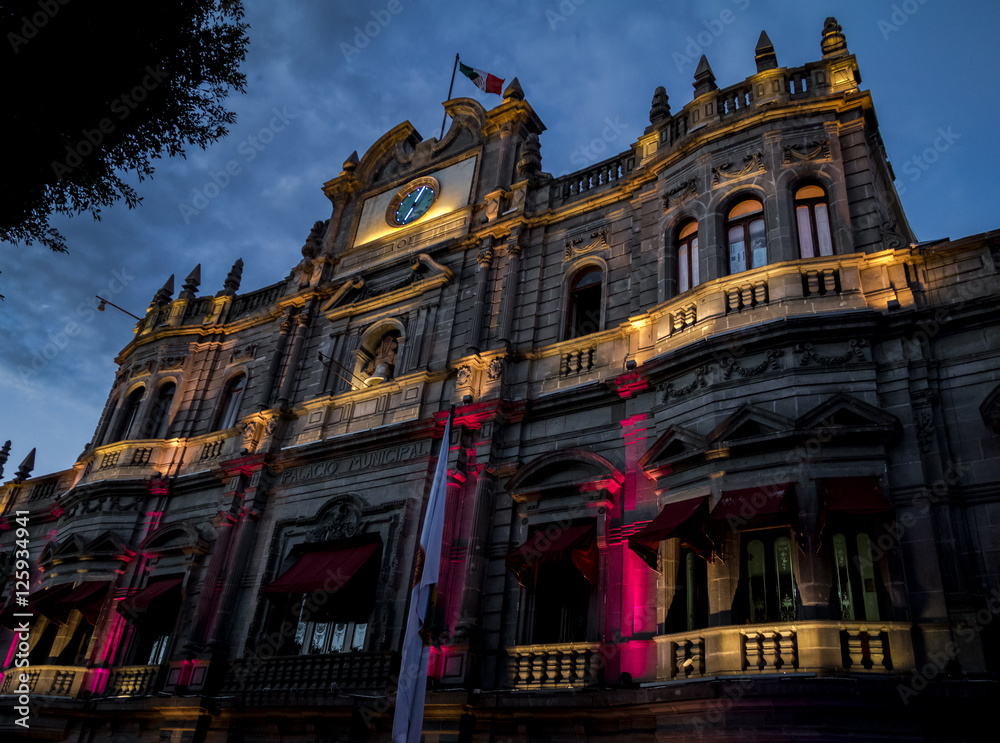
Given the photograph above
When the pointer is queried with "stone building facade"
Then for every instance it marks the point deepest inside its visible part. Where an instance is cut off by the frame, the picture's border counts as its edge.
(723, 463)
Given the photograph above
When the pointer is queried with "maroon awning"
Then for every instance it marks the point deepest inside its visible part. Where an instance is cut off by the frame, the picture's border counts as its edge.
(323, 570)
(685, 519)
(41, 602)
(87, 597)
(853, 496)
(45, 601)
(137, 604)
(576, 544)
(753, 508)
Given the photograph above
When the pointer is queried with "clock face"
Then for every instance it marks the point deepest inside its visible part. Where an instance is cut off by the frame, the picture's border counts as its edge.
(412, 202)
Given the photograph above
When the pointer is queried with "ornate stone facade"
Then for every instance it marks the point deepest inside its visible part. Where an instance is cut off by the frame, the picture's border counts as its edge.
(723, 464)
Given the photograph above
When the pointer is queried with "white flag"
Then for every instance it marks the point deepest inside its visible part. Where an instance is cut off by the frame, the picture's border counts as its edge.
(409, 716)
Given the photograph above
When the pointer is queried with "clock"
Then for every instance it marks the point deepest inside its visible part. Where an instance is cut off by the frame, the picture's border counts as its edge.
(412, 201)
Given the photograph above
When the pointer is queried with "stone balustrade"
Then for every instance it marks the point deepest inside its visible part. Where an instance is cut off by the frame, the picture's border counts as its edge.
(45, 681)
(317, 674)
(574, 665)
(790, 647)
(132, 681)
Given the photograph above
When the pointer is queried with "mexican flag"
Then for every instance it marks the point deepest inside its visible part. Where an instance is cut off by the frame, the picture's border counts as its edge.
(483, 80)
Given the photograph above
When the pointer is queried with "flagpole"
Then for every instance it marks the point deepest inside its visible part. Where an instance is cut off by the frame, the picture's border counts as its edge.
(450, 86)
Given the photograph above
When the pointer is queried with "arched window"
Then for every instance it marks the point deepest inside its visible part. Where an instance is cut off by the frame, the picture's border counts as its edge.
(127, 415)
(584, 312)
(158, 422)
(812, 215)
(747, 240)
(687, 257)
(230, 407)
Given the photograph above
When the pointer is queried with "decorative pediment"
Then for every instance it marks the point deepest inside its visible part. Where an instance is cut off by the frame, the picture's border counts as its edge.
(107, 545)
(383, 159)
(750, 423)
(179, 538)
(357, 294)
(468, 117)
(571, 474)
(68, 550)
(843, 413)
(677, 445)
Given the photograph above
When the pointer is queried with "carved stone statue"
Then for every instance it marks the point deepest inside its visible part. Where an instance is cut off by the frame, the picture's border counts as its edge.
(383, 363)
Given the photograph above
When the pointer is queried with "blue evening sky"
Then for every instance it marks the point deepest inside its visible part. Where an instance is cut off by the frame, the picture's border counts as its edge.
(325, 78)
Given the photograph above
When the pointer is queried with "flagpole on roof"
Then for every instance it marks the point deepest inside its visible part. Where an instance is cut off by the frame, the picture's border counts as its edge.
(450, 86)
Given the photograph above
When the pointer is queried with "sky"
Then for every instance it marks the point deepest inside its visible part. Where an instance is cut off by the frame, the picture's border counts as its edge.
(327, 78)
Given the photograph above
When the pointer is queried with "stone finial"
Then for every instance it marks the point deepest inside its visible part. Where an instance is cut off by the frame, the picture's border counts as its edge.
(163, 296)
(25, 468)
(350, 164)
(314, 242)
(4, 454)
(191, 284)
(704, 78)
(660, 108)
(513, 91)
(530, 162)
(764, 54)
(232, 282)
(834, 42)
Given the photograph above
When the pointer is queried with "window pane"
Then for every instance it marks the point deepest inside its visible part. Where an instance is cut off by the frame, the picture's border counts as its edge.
(806, 249)
(683, 278)
(810, 192)
(319, 633)
(750, 206)
(737, 250)
(689, 229)
(360, 630)
(337, 641)
(758, 243)
(823, 229)
(694, 263)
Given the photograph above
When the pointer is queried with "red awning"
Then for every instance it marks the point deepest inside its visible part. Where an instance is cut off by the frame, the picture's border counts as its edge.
(45, 601)
(139, 602)
(41, 602)
(87, 597)
(323, 570)
(684, 519)
(576, 544)
(854, 496)
(752, 508)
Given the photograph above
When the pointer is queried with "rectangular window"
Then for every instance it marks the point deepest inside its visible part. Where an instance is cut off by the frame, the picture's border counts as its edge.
(682, 263)
(758, 243)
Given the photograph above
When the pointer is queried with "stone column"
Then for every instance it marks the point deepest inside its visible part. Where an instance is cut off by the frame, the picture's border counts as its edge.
(509, 288)
(292, 363)
(484, 259)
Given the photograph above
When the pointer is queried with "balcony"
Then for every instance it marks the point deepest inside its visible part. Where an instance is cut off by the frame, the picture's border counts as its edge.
(793, 647)
(574, 665)
(132, 681)
(311, 674)
(45, 681)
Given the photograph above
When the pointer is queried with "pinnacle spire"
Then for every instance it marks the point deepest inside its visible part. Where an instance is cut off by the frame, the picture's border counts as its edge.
(191, 283)
(764, 54)
(513, 91)
(660, 108)
(4, 454)
(166, 291)
(232, 283)
(704, 78)
(25, 468)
